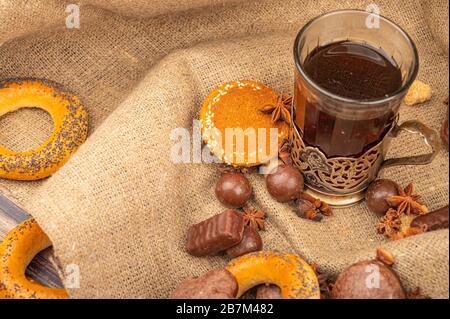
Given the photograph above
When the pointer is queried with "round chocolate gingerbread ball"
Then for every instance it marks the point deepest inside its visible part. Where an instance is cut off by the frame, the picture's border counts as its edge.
(284, 183)
(233, 190)
(370, 279)
(376, 194)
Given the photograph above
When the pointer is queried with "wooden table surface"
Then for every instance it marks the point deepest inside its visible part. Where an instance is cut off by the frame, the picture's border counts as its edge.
(41, 268)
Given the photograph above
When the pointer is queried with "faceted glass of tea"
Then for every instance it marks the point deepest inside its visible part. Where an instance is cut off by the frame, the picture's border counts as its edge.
(352, 71)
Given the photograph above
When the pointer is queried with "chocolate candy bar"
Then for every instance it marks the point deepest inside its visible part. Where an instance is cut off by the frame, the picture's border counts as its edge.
(432, 221)
(251, 241)
(215, 234)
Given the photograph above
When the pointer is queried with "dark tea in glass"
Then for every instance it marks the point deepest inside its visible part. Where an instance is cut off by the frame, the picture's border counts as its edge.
(350, 70)
(353, 69)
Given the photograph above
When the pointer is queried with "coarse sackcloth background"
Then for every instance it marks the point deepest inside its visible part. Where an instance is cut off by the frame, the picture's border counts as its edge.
(120, 208)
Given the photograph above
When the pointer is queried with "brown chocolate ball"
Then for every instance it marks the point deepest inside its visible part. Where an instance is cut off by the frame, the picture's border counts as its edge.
(284, 183)
(268, 292)
(370, 279)
(233, 190)
(376, 194)
(215, 284)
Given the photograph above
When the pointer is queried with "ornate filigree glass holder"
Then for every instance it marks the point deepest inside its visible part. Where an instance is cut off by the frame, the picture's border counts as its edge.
(342, 181)
(368, 126)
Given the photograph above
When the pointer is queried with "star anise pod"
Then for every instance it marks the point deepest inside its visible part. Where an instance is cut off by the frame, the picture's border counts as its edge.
(406, 202)
(390, 224)
(280, 110)
(303, 211)
(284, 152)
(324, 282)
(254, 218)
(312, 208)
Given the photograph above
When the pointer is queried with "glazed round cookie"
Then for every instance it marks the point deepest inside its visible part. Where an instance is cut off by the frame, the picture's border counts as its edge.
(296, 279)
(17, 250)
(249, 110)
(70, 128)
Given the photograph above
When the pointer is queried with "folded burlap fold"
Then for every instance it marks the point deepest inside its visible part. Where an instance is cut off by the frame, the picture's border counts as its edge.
(120, 207)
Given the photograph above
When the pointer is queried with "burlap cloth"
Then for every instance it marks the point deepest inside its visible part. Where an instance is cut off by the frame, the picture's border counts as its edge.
(120, 208)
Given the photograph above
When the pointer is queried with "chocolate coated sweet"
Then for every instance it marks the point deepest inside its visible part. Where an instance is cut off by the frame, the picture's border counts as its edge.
(215, 234)
(233, 190)
(215, 284)
(251, 241)
(268, 292)
(284, 183)
(376, 194)
(432, 221)
(370, 279)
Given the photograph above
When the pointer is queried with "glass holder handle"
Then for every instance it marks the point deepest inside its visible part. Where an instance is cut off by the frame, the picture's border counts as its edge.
(430, 136)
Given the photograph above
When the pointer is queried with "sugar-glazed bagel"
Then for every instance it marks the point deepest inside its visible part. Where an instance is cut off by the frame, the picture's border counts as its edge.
(70, 128)
(16, 251)
(294, 276)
